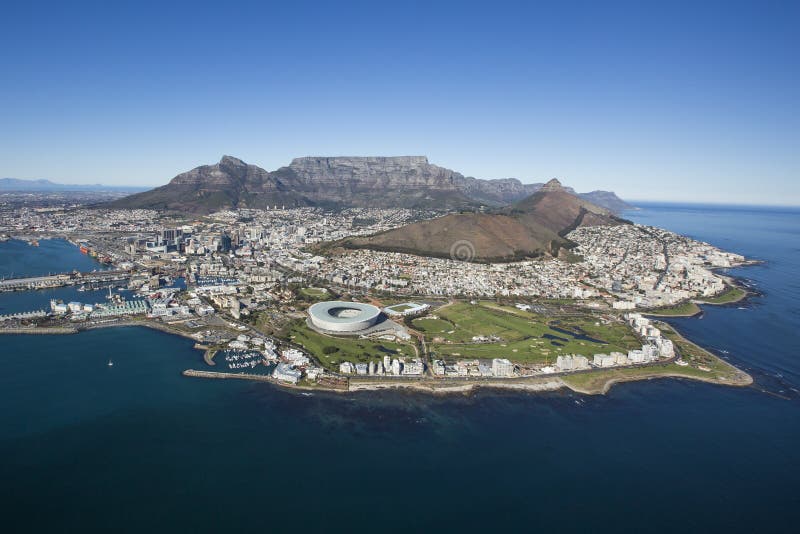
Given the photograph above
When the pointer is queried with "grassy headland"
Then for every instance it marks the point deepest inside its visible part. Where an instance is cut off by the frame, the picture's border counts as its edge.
(685, 309)
(729, 296)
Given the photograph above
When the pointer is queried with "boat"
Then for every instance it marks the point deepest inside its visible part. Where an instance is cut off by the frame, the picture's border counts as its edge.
(110, 363)
(82, 288)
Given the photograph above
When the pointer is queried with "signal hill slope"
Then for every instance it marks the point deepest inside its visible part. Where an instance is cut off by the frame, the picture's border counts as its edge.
(533, 227)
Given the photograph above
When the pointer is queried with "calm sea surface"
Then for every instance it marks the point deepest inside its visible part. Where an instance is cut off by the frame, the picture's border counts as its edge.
(136, 447)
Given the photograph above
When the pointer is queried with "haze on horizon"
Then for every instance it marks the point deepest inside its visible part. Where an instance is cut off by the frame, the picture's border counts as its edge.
(669, 102)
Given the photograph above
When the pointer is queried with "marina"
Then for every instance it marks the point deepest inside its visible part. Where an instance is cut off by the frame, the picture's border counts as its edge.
(238, 360)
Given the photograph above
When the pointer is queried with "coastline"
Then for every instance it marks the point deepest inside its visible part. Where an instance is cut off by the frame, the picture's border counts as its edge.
(68, 330)
(695, 303)
(694, 311)
(602, 382)
(605, 385)
(445, 387)
(595, 382)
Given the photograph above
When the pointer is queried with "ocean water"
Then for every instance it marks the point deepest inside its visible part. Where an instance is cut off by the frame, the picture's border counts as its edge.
(136, 446)
(52, 256)
(19, 259)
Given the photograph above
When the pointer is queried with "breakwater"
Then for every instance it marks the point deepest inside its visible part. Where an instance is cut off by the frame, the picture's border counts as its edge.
(239, 376)
(40, 331)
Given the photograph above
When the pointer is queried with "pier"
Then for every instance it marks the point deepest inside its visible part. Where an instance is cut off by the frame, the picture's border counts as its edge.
(240, 376)
(63, 279)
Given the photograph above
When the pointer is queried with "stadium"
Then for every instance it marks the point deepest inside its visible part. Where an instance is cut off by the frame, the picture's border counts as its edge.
(337, 316)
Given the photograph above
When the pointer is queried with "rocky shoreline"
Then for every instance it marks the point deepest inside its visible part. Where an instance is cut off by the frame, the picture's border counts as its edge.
(434, 386)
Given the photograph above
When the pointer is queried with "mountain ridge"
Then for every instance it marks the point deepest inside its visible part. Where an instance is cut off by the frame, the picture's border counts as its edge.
(44, 185)
(330, 182)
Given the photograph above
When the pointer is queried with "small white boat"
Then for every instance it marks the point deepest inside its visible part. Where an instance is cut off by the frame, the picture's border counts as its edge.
(110, 363)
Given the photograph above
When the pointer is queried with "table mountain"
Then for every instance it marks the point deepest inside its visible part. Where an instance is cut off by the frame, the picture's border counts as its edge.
(330, 182)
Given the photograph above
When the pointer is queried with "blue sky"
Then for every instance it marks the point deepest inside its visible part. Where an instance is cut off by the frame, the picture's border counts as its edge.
(654, 100)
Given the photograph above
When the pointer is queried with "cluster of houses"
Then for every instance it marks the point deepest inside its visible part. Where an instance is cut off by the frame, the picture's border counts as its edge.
(498, 368)
(645, 266)
(389, 366)
(293, 363)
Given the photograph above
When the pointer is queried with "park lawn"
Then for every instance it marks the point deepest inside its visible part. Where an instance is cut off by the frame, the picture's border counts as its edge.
(731, 294)
(475, 320)
(400, 308)
(526, 337)
(613, 333)
(595, 381)
(432, 327)
(685, 309)
(350, 349)
(314, 292)
(507, 309)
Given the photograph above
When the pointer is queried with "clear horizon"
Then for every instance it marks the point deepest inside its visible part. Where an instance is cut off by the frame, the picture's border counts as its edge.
(678, 102)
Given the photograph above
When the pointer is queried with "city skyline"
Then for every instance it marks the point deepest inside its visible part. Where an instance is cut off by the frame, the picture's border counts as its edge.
(673, 103)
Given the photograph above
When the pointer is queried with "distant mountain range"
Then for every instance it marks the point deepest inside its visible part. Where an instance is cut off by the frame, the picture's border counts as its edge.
(15, 184)
(532, 227)
(337, 182)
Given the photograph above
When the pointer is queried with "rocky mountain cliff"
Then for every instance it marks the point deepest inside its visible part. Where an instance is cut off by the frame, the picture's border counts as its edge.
(331, 182)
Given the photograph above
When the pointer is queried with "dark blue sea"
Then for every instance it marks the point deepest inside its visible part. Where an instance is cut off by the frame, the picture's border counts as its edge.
(137, 447)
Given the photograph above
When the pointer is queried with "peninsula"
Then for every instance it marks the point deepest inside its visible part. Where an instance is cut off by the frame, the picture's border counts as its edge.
(354, 274)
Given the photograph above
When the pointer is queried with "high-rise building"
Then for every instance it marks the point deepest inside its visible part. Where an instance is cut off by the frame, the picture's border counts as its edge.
(502, 367)
(225, 243)
(170, 236)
